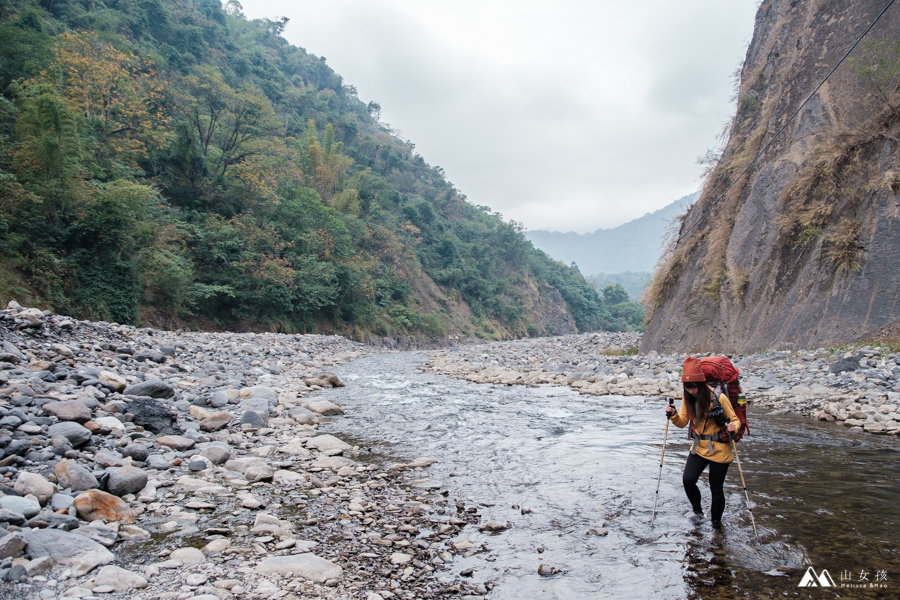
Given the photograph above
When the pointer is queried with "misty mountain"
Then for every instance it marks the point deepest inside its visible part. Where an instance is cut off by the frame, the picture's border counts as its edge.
(632, 246)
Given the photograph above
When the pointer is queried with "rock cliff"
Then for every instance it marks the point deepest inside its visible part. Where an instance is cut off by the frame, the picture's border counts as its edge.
(802, 251)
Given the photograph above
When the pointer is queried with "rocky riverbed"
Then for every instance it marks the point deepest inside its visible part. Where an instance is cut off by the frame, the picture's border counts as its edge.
(858, 388)
(137, 463)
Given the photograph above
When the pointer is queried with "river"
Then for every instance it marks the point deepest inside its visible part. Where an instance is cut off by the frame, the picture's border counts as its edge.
(553, 464)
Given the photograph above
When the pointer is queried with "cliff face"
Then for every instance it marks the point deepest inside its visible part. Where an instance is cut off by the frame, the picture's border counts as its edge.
(803, 251)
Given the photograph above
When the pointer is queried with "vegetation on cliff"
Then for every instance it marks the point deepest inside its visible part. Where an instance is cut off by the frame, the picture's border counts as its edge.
(173, 162)
(792, 239)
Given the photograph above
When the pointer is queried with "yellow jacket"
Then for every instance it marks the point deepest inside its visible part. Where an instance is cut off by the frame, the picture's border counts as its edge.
(721, 452)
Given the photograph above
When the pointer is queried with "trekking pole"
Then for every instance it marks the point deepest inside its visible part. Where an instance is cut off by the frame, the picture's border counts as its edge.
(661, 458)
(743, 483)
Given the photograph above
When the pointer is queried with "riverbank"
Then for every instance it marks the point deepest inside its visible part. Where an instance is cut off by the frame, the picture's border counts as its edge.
(147, 464)
(859, 389)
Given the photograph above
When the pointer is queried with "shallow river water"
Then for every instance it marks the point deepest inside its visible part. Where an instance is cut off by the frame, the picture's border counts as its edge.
(824, 497)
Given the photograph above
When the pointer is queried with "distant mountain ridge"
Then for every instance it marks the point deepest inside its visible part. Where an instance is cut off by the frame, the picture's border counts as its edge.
(632, 246)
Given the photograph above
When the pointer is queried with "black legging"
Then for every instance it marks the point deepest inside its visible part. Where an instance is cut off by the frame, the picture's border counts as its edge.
(692, 469)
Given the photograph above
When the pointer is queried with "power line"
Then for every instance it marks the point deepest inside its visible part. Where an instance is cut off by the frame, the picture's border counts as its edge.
(783, 127)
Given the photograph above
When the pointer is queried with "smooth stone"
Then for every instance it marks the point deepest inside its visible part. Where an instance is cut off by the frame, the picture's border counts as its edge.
(12, 517)
(308, 566)
(34, 484)
(70, 549)
(11, 546)
(93, 505)
(126, 480)
(61, 501)
(324, 407)
(75, 433)
(328, 443)
(215, 422)
(121, 580)
(115, 380)
(74, 476)
(254, 418)
(137, 452)
(27, 507)
(100, 533)
(153, 388)
(71, 410)
(176, 442)
(188, 556)
(216, 454)
(113, 424)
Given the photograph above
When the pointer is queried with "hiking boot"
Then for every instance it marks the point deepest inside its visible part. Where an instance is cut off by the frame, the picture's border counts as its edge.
(696, 518)
(717, 524)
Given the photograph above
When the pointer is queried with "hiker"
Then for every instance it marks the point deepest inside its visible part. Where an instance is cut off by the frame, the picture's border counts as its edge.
(700, 410)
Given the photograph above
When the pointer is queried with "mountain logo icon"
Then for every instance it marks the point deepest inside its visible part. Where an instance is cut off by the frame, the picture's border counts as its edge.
(810, 579)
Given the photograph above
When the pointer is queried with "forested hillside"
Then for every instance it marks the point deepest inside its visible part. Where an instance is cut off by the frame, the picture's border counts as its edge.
(169, 162)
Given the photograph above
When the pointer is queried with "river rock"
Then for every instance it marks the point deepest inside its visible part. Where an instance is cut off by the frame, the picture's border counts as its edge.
(75, 433)
(303, 416)
(114, 425)
(95, 504)
(152, 388)
(153, 415)
(126, 480)
(215, 421)
(217, 454)
(13, 351)
(71, 410)
(255, 419)
(137, 452)
(333, 463)
(11, 546)
(75, 477)
(188, 556)
(223, 398)
(306, 565)
(116, 381)
(324, 407)
(328, 444)
(119, 579)
(27, 507)
(100, 533)
(176, 442)
(32, 483)
(80, 553)
(12, 518)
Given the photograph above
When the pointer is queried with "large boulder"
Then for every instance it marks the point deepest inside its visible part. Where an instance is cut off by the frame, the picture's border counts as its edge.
(70, 549)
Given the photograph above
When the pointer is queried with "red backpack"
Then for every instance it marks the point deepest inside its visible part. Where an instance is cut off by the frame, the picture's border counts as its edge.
(723, 375)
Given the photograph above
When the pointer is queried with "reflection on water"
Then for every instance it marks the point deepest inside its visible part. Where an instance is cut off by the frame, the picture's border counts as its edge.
(554, 464)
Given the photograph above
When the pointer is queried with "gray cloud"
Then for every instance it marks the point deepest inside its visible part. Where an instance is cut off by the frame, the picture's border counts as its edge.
(570, 116)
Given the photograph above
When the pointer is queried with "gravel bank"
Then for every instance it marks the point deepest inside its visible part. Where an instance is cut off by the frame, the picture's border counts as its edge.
(859, 389)
(145, 464)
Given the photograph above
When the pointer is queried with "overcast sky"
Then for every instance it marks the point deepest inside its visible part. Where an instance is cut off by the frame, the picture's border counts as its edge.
(569, 115)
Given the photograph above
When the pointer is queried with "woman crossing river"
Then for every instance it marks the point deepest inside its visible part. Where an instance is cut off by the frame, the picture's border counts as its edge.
(708, 412)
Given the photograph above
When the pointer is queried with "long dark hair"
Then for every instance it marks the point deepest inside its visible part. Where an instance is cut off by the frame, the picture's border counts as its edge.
(703, 399)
